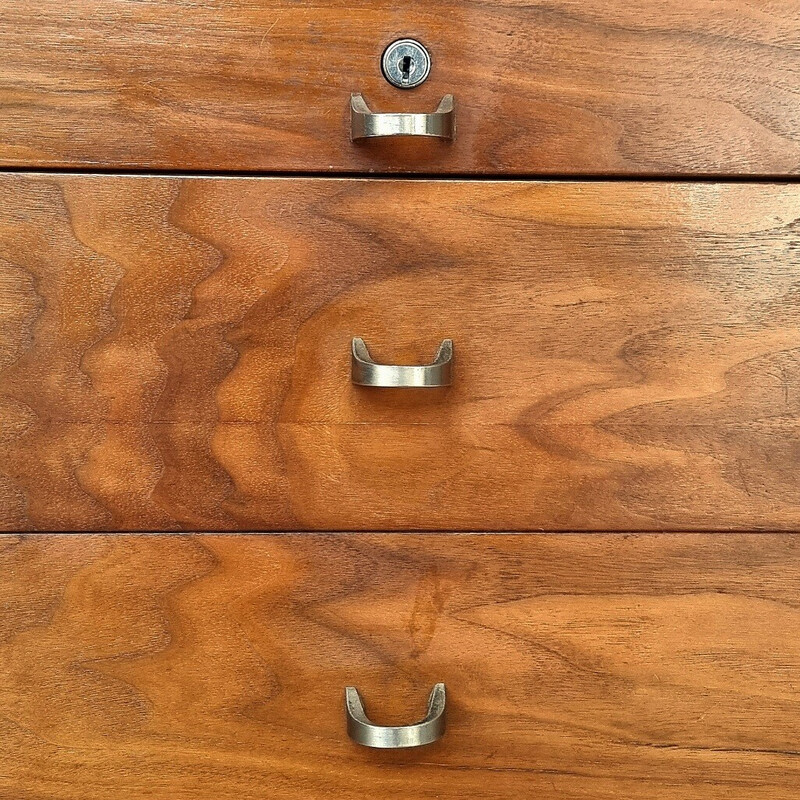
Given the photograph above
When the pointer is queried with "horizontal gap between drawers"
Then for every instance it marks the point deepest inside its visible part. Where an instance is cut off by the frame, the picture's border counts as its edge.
(417, 176)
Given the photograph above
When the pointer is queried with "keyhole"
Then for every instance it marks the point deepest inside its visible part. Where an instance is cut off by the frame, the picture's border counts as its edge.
(405, 65)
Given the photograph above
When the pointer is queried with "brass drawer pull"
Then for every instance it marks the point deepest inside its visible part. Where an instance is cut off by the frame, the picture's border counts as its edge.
(428, 730)
(366, 372)
(364, 124)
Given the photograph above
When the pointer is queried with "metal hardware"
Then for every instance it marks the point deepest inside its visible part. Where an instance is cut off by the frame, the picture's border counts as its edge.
(428, 730)
(364, 124)
(406, 63)
(366, 372)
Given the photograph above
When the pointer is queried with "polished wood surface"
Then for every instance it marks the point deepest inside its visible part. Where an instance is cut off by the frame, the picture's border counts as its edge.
(212, 668)
(556, 86)
(176, 355)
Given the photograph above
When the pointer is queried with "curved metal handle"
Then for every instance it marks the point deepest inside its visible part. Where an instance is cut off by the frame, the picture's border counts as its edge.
(366, 372)
(364, 124)
(428, 730)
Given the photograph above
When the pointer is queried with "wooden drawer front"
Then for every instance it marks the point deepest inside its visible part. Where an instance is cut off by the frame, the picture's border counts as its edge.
(176, 354)
(559, 86)
(208, 668)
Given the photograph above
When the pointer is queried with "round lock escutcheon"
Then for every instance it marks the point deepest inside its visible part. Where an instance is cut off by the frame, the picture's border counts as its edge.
(406, 63)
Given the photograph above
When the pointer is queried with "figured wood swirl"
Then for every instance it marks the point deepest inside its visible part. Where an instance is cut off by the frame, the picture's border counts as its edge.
(659, 667)
(553, 86)
(175, 355)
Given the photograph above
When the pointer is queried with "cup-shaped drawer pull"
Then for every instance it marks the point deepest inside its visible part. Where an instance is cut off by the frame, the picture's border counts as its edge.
(366, 124)
(366, 372)
(428, 730)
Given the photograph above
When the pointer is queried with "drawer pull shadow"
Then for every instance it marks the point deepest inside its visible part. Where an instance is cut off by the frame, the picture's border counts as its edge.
(365, 372)
(428, 730)
(365, 124)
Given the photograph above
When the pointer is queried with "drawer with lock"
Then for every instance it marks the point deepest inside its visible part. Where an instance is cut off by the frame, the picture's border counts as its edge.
(287, 354)
(650, 667)
(678, 87)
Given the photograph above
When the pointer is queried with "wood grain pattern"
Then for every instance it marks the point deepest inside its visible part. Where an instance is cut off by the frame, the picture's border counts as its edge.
(553, 86)
(661, 667)
(176, 355)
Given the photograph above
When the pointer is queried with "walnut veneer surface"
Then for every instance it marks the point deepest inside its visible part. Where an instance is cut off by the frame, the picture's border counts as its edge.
(656, 667)
(553, 86)
(175, 354)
